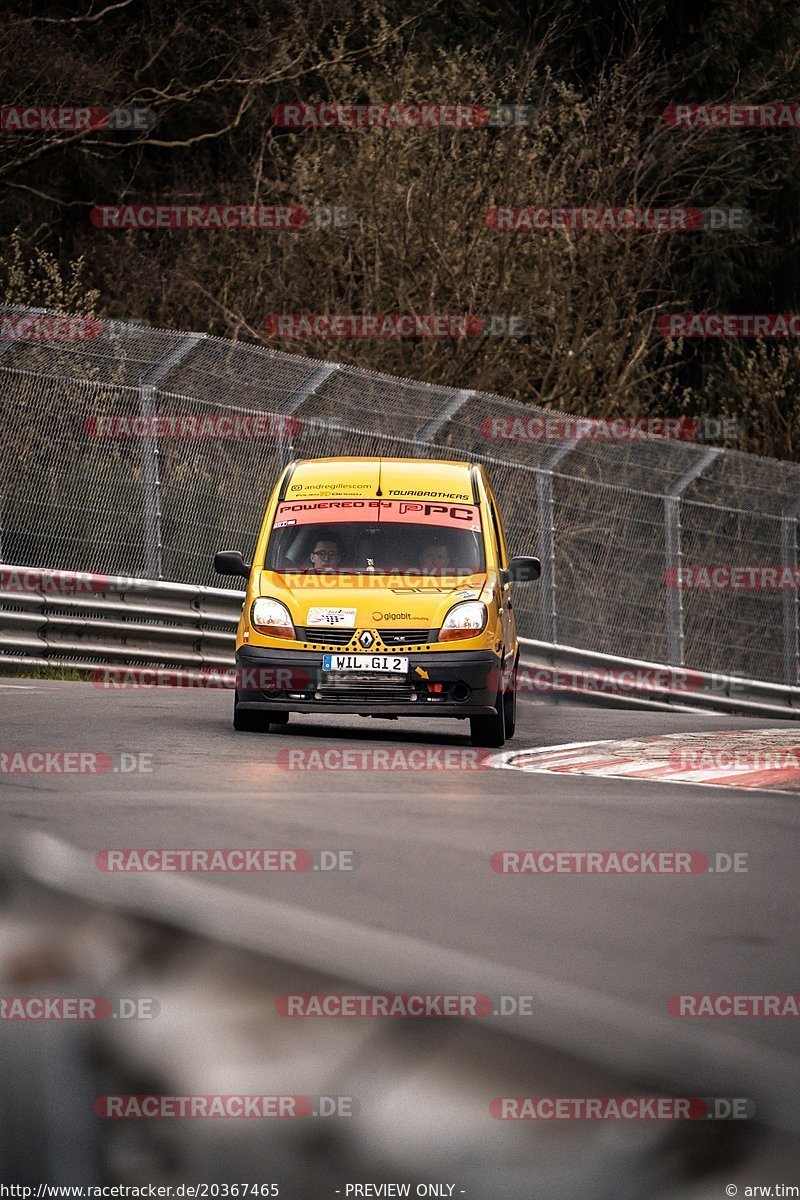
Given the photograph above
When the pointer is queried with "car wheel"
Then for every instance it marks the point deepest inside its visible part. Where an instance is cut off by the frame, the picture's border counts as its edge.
(490, 730)
(253, 720)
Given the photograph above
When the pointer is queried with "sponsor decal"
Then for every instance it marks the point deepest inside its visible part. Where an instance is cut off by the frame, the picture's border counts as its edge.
(307, 491)
(317, 512)
(332, 617)
(425, 494)
(398, 616)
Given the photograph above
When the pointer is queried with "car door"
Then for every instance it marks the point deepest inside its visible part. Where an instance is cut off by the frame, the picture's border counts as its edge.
(507, 613)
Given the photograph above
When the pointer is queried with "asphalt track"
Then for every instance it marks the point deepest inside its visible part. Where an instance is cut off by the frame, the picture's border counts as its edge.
(423, 840)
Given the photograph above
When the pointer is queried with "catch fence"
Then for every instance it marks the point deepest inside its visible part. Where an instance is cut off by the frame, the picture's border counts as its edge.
(612, 520)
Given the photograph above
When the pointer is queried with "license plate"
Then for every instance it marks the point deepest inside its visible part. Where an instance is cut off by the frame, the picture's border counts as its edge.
(393, 663)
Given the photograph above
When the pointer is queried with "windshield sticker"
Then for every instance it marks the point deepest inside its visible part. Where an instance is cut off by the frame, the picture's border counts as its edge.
(317, 512)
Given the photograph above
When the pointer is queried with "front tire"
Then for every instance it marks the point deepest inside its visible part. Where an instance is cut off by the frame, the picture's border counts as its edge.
(254, 720)
(510, 705)
(490, 730)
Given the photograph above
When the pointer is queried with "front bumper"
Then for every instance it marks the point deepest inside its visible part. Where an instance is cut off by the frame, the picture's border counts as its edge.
(461, 684)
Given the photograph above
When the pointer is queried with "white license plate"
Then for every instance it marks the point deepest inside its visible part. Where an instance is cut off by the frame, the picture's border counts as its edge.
(394, 663)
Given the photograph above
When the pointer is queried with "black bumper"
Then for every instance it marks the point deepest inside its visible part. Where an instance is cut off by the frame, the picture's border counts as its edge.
(461, 684)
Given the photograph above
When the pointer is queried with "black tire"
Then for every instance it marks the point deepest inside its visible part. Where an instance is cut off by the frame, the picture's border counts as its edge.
(490, 731)
(510, 702)
(253, 720)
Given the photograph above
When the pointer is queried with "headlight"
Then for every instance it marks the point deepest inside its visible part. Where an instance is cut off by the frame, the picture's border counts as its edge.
(271, 617)
(464, 620)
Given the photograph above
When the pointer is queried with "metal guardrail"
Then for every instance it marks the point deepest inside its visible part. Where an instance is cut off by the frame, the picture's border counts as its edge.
(568, 671)
(86, 622)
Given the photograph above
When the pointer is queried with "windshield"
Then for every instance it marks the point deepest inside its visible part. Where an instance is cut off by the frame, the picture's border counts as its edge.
(378, 537)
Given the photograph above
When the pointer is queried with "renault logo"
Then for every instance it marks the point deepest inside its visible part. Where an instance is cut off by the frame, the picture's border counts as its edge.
(365, 639)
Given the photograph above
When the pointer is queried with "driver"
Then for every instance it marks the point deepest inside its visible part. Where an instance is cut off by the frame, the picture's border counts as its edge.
(326, 554)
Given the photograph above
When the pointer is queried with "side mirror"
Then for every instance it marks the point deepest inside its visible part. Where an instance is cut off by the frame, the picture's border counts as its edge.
(524, 568)
(231, 562)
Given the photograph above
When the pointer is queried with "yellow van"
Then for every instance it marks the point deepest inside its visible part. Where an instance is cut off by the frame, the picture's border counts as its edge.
(379, 587)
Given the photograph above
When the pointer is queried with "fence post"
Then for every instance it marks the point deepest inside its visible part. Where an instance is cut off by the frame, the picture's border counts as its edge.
(672, 545)
(151, 487)
(428, 431)
(790, 614)
(546, 509)
(151, 471)
(308, 388)
(7, 344)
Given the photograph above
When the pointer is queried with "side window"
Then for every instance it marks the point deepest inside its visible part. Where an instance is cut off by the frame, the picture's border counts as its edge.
(501, 545)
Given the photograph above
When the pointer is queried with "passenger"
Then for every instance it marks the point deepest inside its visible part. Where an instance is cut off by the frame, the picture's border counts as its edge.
(435, 558)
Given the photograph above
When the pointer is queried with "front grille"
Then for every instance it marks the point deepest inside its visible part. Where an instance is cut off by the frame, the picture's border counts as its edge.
(320, 636)
(366, 693)
(406, 637)
(371, 686)
(324, 637)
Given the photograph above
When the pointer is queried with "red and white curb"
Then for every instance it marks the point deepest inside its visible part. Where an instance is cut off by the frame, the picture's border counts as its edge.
(740, 758)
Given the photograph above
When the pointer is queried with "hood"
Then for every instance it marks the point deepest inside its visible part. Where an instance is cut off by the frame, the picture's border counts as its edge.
(367, 601)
